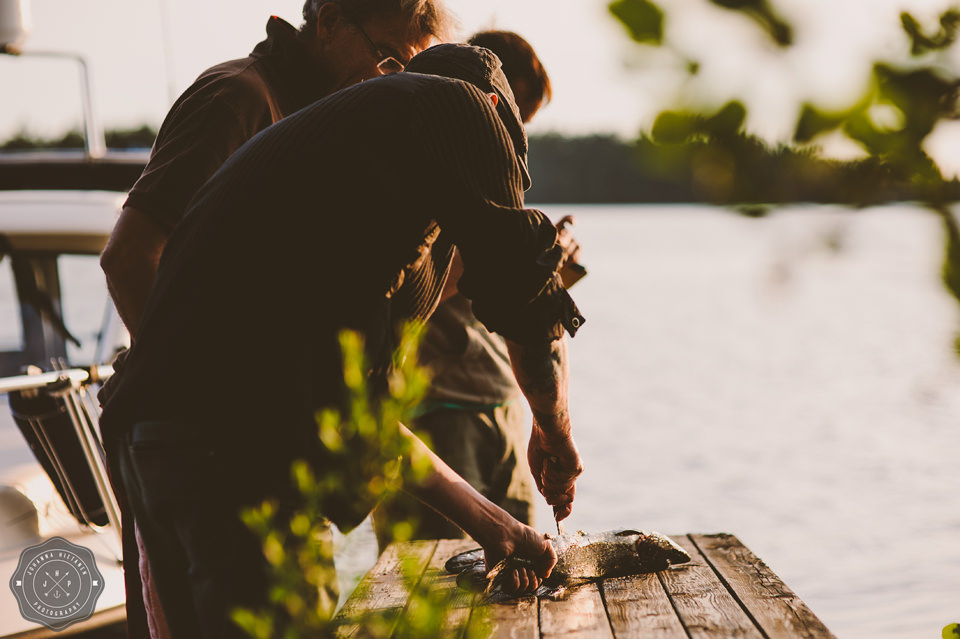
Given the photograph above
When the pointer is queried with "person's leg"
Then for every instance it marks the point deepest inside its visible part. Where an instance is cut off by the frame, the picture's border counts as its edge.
(513, 471)
(156, 622)
(137, 623)
(204, 561)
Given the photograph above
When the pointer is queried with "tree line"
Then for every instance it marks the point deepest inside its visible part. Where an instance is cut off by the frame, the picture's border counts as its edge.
(733, 169)
(740, 169)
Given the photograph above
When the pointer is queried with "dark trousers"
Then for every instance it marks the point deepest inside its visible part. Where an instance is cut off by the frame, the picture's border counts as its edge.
(187, 495)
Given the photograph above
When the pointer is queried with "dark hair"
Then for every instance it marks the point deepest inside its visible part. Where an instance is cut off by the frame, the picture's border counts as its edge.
(520, 61)
(426, 17)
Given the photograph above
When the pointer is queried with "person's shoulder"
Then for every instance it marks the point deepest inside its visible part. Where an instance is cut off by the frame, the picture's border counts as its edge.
(427, 82)
(427, 91)
(233, 79)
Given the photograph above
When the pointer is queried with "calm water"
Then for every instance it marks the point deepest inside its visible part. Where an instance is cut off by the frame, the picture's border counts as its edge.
(790, 380)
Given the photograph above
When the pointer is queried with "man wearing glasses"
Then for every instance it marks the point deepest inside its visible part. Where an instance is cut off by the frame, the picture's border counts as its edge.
(340, 43)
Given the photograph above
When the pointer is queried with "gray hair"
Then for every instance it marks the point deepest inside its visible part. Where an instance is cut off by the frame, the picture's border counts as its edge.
(426, 17)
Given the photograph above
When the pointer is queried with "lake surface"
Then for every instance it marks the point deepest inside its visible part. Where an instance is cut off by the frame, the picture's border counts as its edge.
(790, 380)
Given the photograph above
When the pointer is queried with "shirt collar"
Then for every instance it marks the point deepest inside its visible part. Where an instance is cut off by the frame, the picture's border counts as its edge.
(290, 61)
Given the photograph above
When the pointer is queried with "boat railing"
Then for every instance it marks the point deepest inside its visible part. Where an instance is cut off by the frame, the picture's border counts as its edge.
(94, 142)
(71, 386)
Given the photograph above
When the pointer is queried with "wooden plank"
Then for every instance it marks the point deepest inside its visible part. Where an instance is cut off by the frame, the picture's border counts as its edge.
(639, 607)
(509, 620)
(576, 613)
(517, 619)
(725, 591)
(774, 607)
(704, 605)
(443, 587)
(384, 588)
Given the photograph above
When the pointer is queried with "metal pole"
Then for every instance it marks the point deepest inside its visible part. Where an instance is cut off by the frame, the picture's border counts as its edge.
(95, 145)
(83, 425)
(166, 38)
(93, 131)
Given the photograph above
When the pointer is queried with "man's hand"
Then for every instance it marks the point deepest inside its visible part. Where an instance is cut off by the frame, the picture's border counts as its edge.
(525, 543)
(491, 526)
(555, 463)
(541, 372)
(571, 271)
(571, 249)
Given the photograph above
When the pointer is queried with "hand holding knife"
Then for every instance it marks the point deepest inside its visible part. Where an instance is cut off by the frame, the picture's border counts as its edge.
(556, 509)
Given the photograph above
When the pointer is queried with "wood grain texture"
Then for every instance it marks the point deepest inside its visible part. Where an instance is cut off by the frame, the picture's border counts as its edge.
(775, 608)
(725, 592)
(511, 620)
(704, 605)
(578, 613)
(383, 588)
(444, 585)
(639, 607)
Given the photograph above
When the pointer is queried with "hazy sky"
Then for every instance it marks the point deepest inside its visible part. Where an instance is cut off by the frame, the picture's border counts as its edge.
(603, 82)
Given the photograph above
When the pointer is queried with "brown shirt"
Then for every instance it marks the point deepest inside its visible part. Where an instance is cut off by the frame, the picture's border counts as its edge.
(471, 366)
(226, 106)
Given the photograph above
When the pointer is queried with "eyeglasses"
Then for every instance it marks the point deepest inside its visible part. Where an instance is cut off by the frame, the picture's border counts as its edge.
(387, 64)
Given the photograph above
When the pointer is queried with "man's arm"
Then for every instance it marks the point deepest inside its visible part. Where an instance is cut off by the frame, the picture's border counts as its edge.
(555, 462)
(130, 262)
(489, 525)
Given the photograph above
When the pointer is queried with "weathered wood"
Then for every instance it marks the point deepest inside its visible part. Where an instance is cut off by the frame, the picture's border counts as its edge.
(639, 607)
(774, 607)
(383, 589)
(444, 585)
(704, 605)
(724, 592)
(509, 620)
(577, 613)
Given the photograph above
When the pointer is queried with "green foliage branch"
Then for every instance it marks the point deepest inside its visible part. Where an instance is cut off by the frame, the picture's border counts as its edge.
(368, 460)
(902, 105)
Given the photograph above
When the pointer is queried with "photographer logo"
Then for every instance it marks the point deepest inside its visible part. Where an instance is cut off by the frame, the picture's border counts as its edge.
(57, 583)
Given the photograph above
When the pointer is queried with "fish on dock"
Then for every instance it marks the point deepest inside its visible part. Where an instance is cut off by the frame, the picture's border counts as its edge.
(580, 557)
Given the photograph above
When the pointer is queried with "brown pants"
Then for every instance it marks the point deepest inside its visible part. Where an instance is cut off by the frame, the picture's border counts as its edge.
(487, 448)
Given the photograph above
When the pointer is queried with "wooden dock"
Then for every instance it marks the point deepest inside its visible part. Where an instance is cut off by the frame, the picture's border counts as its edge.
(725, 591)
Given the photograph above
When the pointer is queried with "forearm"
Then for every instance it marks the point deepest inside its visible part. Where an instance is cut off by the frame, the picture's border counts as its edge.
(130, 262)
(445, 491)
(543, 375)
(489, 525)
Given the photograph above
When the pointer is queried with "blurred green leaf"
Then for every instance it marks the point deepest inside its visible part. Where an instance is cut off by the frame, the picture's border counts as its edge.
(676, 127)
(673, 127)
(923, 95)
(921, 42)
(642, 18)
(763, 14)
(813, 122)
(728, 121)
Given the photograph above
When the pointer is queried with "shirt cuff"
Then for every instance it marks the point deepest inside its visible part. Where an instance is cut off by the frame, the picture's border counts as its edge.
(543, 319)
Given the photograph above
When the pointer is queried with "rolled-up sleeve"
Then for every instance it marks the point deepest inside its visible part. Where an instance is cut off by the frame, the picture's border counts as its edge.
(510, 254)
(514, 284)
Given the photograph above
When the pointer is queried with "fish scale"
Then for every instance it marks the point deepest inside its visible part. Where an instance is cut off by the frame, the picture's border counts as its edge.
(580, 557)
